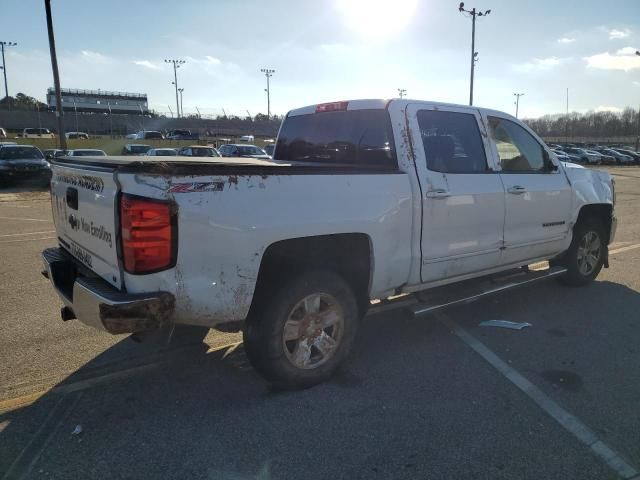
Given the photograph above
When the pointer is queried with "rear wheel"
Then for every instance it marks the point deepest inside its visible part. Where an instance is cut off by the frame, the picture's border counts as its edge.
(301, 334)
(585, 256)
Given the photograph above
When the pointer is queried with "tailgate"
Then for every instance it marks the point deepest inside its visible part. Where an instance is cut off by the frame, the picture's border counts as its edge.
(84, 203)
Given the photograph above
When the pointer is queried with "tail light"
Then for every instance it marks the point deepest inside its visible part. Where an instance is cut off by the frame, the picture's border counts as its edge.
(149, 234)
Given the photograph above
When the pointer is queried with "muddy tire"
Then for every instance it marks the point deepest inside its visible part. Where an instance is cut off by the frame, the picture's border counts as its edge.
(303, 330)
(585, 256)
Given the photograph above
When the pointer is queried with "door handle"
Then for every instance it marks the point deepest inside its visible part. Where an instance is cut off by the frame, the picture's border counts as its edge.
(438, 193)
(517, 189)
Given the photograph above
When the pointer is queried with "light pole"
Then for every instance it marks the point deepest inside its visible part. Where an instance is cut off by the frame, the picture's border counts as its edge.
(4, 66)
(517, 102)
(268, 72)
(474, 13)
(181, 109)
(56, 76)
(402, 92)
(176, 65)
(75, 114)
(110, 120)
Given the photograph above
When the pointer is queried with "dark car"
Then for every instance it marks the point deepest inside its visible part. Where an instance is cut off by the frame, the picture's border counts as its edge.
(23, 161)
(269, 149)
(631, 153)
(198, 151)
(247, 151)
(135, 149)
(182, 135)
(53, 153)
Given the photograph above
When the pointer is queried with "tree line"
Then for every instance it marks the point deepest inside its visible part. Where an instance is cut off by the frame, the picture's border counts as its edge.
(590, 124)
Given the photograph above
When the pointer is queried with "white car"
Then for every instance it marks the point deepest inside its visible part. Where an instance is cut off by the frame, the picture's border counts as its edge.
(37, 133)
(586, 156)
(77, 135)
(162, 152)
(369, 199)
(86, 152)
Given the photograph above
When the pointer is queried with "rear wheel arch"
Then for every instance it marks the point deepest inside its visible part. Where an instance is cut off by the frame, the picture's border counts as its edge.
(350, 255)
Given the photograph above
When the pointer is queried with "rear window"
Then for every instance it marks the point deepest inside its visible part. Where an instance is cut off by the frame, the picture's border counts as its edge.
(356, 137)
(250, 150)
(21, 153)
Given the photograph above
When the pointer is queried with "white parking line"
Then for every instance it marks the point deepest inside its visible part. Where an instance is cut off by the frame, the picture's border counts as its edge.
(567, 420)
(624, 249)
(28, 233)
(26, 219)
(27, 240)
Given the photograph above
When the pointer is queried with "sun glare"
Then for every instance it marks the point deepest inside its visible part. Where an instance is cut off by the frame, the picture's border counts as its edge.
(377, 19)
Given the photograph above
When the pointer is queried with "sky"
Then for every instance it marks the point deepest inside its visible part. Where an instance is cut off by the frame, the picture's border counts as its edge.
(327, 50)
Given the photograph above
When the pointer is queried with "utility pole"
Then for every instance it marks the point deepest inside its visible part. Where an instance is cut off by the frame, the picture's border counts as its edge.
(56, 76)
(517, 102)
(402, 92)
(110, 120)
(75, 114)
(142, 116)
(176, 65)
(566, 122)
(638, 136)
(268, 72)
(181, 109)
(4, 68)
(474, 55)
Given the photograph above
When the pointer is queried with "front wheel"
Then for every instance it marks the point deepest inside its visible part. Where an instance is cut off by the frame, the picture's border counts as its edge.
(586, 254)
(303, 331)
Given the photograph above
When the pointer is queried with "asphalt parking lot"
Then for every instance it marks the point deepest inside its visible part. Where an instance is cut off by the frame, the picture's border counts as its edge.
(430, 398)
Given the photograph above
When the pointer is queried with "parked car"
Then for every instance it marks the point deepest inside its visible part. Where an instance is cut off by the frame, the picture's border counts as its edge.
(585, 156)
(23, 162)
(135, 149)
(182, 135)
(131, 136)
(371, 199)
(269, 149)
(563, 157)
(162, 152)
(240, 150)
(620, 158)
(247, 138)
(36, 133)
(606, 158)
(3, 133)
(86, 152)
(53, 152)
(149, 135)
(631, 153)
(77, 135)
(198, 151)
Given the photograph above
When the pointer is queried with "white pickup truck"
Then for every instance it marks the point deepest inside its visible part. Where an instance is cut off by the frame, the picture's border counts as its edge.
(365, 200)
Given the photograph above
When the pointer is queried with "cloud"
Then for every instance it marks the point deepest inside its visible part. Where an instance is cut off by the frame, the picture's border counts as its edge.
(624, 59)
(212, 60)
(566, 40)
(606, 108)
(540, 64)
(615, 34)
(94, 57)
(147, 64)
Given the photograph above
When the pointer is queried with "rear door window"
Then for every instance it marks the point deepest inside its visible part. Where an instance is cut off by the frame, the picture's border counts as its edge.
(353, 137)
(452, 142)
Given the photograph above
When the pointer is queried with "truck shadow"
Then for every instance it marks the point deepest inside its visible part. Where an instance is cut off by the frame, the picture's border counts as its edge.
(203, 413)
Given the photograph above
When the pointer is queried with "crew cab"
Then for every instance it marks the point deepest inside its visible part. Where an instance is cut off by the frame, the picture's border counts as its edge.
(364, 200)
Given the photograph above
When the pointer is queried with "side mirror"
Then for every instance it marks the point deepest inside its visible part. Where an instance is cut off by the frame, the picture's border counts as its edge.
(550, 166)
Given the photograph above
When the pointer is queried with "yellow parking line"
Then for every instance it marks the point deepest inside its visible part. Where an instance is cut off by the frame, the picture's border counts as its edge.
(27, 240)
(19, 402)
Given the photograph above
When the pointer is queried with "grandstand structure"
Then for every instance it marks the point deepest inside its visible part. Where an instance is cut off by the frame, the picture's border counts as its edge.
(97, 101)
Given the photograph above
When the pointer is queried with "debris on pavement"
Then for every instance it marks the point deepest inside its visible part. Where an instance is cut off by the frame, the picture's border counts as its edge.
(77, 430)
(505, 324)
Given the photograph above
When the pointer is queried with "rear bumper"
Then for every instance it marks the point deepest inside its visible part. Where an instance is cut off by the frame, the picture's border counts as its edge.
(97, 304)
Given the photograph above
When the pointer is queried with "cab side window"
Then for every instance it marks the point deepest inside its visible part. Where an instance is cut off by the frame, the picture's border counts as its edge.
(518, 150)
(452, 142)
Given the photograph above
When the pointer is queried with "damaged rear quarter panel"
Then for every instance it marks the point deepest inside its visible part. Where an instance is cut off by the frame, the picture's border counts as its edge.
(226, 222)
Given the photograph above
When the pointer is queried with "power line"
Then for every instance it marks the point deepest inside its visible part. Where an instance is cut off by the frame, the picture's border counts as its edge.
(474, 55)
